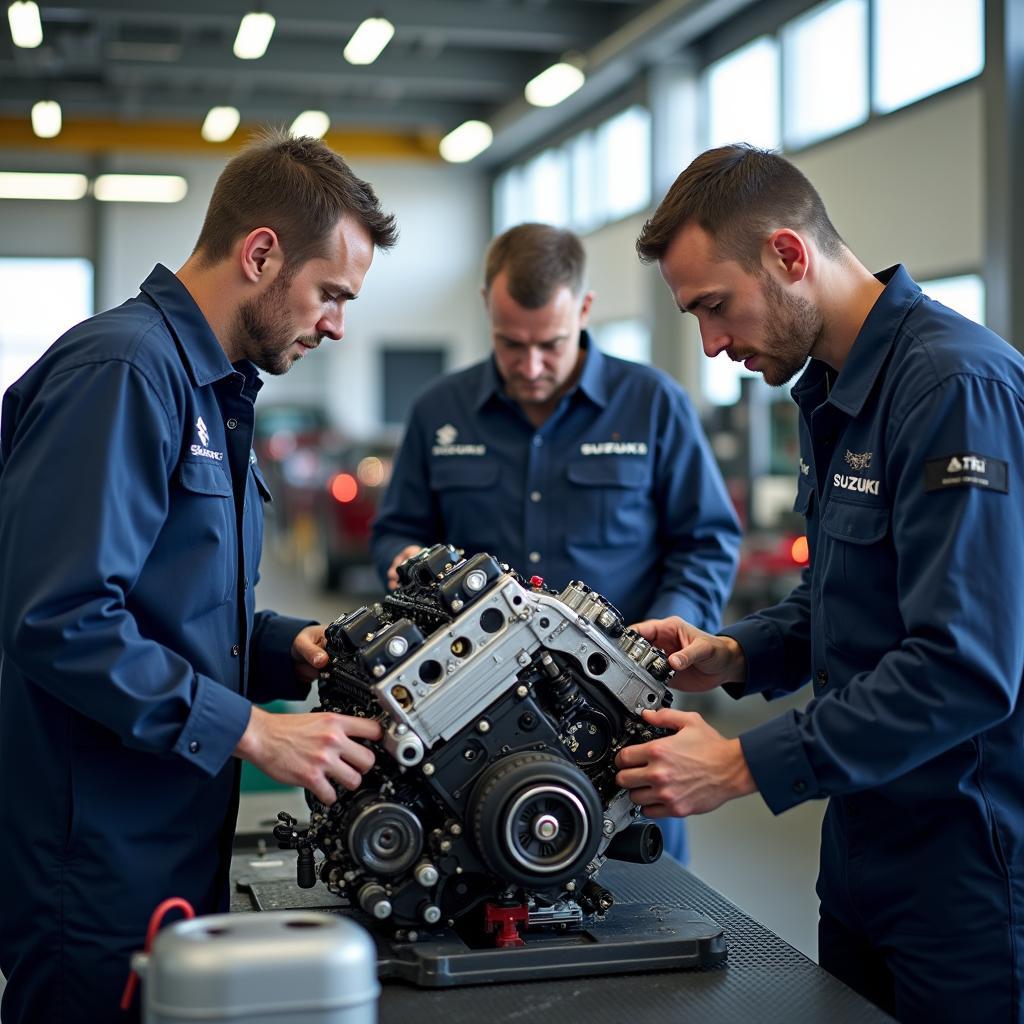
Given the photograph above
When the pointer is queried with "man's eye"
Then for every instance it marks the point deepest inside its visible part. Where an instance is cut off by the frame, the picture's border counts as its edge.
(716, 308)
(328, 297)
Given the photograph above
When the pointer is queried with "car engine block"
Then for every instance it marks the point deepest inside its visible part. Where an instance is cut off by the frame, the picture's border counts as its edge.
(493, 802)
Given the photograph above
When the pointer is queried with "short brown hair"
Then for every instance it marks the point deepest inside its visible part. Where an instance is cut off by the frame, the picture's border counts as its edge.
(297, 186)
(739, 194)
(539, 259)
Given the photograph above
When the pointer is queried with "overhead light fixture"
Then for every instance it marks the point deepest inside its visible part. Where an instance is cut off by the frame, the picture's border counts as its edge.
(46, 119)
(140, 188)
(313, 123)
(220, 124)
(21, 185)
(470, 139)
(26, 26)
(254, 34)
(555, 84)
(368, 40)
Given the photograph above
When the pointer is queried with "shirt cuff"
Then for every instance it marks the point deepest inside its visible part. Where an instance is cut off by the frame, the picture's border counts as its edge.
(215, 725)
(762, 648)
(777, 760)
(272, 669)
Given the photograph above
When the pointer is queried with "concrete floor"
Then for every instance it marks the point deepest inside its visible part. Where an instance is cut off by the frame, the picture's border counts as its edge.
(765, 864)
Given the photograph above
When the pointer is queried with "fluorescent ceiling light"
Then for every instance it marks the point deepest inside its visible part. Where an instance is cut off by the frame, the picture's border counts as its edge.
(26, 28)
(140, 188)
(14, 185)
(552, 86)
(368, 40)
(313, 123)
(253, 37)
(46, 119)
(220, 124)
(465, 142)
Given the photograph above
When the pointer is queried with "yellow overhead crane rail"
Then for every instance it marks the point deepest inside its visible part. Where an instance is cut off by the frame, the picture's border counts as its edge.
(182, 137)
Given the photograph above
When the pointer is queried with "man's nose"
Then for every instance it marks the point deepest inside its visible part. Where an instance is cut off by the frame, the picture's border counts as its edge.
(332, 326)
(533, 363)
(714, 342)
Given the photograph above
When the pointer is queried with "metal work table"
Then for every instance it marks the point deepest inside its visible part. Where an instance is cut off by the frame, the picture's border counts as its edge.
(765, 980)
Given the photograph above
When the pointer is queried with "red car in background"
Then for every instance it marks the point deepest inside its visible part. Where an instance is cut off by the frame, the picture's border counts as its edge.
(333, 491)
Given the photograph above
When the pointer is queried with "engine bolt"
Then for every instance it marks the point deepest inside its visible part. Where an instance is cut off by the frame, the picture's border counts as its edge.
(456, 829)
(445, 845)
(430, 913)
(379, 670)
(483, 725)
(457, 605)
(426, 874)
(397, 646)
(401, 730)
(428, 769)
(522, 691)
(608, 826)
(476, 581)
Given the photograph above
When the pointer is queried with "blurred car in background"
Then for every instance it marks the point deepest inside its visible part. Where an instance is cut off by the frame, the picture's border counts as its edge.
(771, 563)
(332, 492)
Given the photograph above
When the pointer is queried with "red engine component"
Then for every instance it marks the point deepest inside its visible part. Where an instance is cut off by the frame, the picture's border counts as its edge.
(503, 920)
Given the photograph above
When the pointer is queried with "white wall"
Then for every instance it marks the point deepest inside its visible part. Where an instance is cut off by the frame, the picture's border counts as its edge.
(424, 292)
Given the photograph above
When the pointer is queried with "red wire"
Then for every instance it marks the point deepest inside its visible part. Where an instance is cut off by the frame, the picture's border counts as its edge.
(155, 921)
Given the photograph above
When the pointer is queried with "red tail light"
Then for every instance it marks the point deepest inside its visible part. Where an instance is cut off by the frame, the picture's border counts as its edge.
(343, 488)
(800, 551)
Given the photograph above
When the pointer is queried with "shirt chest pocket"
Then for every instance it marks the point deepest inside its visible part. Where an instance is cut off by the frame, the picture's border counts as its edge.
(465, 491)
(207, 516)
(857, 570)
(611, 501)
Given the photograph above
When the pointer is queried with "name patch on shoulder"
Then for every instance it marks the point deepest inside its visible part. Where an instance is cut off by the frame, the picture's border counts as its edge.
(966, 469)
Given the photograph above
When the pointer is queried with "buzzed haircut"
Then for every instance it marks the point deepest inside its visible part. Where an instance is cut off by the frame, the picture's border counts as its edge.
(538, 259)
(739, 195)
(297, 186)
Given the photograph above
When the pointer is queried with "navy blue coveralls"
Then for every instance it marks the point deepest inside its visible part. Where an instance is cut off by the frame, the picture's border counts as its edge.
(131, 526)
(618, 488)
(910, 623)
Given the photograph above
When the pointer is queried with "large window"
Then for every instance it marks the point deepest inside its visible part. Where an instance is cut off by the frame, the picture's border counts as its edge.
(742, 96)
(964, 293)
(627, 339)
(40, 299)
(826, 83)
(922, 46)
(598, 176)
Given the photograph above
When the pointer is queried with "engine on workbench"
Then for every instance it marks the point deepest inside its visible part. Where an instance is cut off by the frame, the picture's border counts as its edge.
(503, 705)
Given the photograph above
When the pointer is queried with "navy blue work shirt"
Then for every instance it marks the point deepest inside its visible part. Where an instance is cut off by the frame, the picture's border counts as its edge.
(131, 527)
(908, 622)
(617, 488)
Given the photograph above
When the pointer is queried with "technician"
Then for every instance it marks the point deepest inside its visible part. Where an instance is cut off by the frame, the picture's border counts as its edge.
(131, 522)
(562, 461)
(908, 619)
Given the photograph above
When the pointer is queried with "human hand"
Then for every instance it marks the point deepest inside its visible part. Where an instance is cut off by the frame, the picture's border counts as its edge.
(692, 771)
(308, 653)
(406, 552)
(700, 661)
(313, 750)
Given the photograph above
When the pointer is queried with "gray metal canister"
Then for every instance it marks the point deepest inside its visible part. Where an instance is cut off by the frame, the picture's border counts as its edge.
(282, 967)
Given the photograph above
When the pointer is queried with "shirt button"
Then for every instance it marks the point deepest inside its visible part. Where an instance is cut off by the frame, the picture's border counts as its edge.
(537, 440)
(534, 556)
(193, 747)
(534, 495)
(799, 786)
(235, 650)
(232, 423)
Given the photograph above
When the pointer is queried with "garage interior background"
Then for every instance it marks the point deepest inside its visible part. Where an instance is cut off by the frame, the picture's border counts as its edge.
(926, 180)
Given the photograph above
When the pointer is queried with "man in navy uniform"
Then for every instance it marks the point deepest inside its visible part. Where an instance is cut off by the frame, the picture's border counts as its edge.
(131, 523)
(562, 461)
(908, 619)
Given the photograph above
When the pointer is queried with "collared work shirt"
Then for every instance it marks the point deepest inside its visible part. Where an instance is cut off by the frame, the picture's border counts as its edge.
(908, 622)
(617, 488)
(130, 535)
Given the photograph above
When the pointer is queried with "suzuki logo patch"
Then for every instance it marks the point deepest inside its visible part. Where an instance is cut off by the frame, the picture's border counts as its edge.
(858, 461)
(966, 469)
(445, 435)
(204, 436)
(444, 443)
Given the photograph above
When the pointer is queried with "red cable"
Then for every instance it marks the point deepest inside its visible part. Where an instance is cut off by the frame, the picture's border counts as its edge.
(155, 921)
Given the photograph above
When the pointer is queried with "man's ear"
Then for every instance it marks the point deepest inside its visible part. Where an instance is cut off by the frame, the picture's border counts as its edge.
(788, 253)
(260, 257)
(588, 301)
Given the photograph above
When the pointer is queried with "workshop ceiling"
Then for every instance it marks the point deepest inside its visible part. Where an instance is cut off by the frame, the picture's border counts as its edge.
(152, 61)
